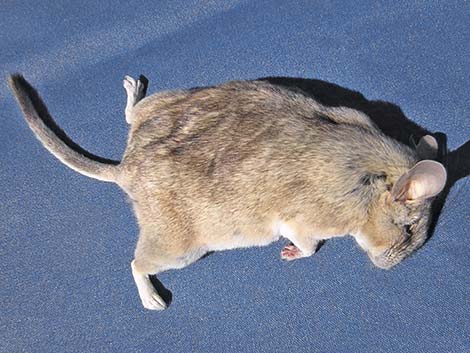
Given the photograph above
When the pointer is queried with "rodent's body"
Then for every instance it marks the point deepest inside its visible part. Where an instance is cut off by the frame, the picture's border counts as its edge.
(246, 162)
(234, 163)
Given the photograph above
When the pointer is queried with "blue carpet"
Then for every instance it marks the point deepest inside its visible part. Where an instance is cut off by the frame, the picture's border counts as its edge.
(66, 240)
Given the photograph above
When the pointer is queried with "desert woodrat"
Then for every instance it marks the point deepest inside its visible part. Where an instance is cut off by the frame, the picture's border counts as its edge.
(246, 162)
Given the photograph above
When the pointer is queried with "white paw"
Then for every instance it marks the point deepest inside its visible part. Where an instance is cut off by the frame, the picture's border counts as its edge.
(129, 83)
(148, 295)
(135, 88)
(153, 301)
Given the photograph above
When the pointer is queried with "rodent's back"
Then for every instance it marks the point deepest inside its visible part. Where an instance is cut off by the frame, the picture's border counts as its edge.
(252, 143)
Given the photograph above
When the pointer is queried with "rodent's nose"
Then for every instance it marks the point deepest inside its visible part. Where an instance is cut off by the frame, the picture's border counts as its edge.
(382, 262)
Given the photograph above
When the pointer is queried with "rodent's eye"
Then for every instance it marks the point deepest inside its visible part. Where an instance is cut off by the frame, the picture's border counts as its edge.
(407, 229)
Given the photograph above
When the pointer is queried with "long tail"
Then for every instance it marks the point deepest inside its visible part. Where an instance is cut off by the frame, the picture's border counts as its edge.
(55, 139)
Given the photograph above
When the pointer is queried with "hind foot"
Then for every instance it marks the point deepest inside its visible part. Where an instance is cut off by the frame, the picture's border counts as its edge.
(148, 295)
(136, 90)
(153, 301)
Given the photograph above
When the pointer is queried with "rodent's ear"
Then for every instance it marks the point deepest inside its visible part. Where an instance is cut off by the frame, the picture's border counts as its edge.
(426, 179)
(427, 147)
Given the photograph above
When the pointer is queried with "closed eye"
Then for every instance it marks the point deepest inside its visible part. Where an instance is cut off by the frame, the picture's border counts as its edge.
(409, 227)
(408, 230)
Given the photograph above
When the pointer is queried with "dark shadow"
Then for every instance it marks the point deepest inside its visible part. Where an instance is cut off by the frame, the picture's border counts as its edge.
(145, 82)
(209, 253)
(320, 245)
(391, 120)
(457, 164)
(166, 295)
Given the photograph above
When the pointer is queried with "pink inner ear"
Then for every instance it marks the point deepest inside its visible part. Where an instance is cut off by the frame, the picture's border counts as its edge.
(415, 190)
(400, 189)
(426, 179)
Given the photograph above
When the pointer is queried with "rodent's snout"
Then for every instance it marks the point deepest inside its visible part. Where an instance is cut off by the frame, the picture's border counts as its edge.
(383, 261)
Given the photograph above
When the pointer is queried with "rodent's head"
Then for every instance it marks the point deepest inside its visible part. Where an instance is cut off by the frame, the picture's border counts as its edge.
(398, 221)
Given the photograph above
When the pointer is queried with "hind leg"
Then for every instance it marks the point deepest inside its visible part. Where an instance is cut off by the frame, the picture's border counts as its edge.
(154, 255)
(136, 91)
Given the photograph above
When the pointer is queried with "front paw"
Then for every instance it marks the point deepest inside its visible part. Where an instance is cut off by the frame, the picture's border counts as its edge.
(291, 252)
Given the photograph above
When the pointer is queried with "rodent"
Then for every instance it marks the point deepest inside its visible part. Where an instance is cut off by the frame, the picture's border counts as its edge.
(245, 162)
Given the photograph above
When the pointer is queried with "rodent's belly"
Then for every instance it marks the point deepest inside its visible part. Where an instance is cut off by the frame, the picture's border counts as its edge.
(258, 236)
(245, 236)
(239, 240)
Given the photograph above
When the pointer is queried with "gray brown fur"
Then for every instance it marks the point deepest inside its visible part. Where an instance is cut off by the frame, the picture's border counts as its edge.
(235, 165)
